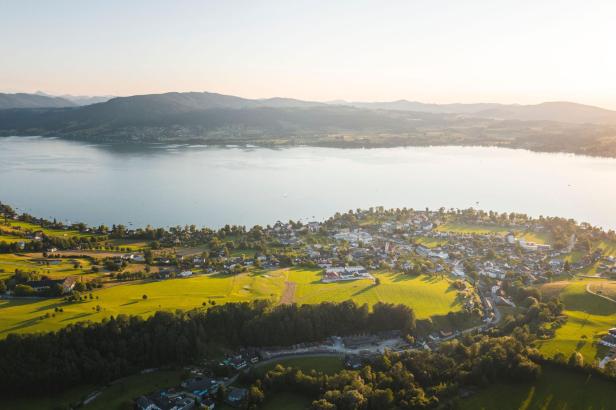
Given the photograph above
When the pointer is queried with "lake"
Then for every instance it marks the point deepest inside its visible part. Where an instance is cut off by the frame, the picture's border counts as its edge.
(166, 185)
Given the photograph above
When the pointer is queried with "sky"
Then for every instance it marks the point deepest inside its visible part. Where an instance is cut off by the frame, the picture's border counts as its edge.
(431, 51)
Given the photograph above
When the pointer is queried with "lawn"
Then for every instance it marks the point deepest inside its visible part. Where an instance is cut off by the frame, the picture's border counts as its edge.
(324, 364)
(589, 318)
(556, 389)
(428, 296)
(116, 396)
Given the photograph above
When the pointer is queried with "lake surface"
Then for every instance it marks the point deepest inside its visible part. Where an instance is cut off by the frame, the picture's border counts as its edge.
(212, 186)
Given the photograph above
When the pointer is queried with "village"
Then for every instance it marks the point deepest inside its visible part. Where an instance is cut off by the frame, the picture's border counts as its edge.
(486, 263)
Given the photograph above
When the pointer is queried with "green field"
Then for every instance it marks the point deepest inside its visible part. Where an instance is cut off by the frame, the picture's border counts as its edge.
(556, 389)
(589, 318)
(27, 263)
(427, 295)
(481, 229)
(20, 226)
(430, 242)
(464, 228)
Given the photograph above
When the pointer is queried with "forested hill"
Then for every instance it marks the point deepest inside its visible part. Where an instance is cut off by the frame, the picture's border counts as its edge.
(23, 100)
(223, 119)
(207, 116)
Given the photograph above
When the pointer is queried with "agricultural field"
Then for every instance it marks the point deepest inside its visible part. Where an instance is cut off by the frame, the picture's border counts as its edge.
(127, 245)
(589, 318)
(21, 227)
(556, 389)
(427, 295)
(54, 268)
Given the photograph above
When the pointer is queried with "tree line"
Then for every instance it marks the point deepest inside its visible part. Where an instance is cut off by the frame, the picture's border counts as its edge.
(99, 352)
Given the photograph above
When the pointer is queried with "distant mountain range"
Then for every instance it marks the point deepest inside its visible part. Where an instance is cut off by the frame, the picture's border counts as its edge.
(559, 111)
(22, 100)
(43, 100)
(224, 119)
(170, 103)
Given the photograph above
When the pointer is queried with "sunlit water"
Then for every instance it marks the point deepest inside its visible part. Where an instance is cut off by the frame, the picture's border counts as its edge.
(212, 186)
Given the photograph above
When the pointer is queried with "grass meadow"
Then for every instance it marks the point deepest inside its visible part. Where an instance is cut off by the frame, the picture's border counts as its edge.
(589, 318)
(556, 389)
(428, 296)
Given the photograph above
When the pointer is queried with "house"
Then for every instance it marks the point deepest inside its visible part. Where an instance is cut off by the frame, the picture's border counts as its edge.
(238, 362)
(345, 273)
(164, 401)
(353, 362)
(208, 404)
(185, 274)
(45, 285)
(251, 356)
(201, 387)
(236, 397)
(145, 403)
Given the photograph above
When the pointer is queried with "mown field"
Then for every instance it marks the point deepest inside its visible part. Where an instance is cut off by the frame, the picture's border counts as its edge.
(480, 229)
(589, 318)
(556, 389)
(426, 295)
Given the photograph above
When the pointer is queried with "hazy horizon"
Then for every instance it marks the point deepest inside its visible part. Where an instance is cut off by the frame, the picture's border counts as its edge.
(435, 52)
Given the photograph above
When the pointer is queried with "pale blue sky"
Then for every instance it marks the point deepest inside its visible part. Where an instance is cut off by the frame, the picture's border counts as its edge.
(433, 51)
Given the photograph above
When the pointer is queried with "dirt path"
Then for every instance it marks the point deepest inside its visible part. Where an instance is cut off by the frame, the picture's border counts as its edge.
(288, 296)
(589, 290)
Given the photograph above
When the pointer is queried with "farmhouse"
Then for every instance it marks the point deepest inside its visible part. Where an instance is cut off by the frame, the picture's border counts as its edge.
(345, 273)
(45, 285)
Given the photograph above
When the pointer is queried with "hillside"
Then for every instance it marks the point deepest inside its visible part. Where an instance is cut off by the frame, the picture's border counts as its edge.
(23, 100)
(224, 119)
(559, 111)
